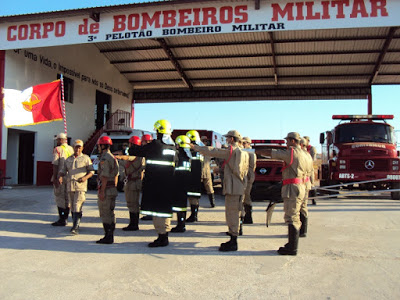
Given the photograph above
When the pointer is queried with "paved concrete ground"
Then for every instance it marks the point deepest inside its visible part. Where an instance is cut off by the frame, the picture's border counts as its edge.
(352, 252)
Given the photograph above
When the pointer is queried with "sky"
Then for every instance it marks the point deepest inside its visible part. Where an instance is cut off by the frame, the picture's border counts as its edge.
(256, 119)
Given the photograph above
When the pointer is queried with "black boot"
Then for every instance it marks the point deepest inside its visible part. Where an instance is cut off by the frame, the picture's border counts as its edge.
(108, 234)
(212, 200)
(291, 247)
(133, 223)
(76, 217)
(161, 241)
(181, 216)
(304, 223)
(63, 217)
(193, 216)
(146, 218)
(241, 226)
(229, 246)
(248, 219)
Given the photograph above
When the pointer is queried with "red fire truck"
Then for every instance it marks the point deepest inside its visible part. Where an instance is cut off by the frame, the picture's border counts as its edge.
(268, 175)
(361, 148)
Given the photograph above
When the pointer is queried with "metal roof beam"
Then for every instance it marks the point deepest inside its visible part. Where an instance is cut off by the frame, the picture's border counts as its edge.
(262, 67)
(257, 55)
(283, 93)
(385, 48)
(259, 42)
(174, 61)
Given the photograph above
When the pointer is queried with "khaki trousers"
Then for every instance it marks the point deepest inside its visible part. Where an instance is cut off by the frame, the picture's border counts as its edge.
(247, 197)
(233, 207)
(291, 207)
(304, 207)
(208, 185)
(162, 225)
(61, 195)
(132, 200)
(106, 209)
(76, 200)
(194, 200)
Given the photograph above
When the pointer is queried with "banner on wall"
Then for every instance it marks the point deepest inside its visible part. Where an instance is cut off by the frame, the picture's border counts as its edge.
(201, 18)
(34, 105)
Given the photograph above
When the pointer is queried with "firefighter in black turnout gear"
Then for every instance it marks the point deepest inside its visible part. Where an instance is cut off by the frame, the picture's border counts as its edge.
(194, 192)
(182, 179)
(158, 182)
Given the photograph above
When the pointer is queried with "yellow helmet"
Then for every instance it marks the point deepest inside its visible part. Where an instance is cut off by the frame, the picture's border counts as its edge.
(183, 141)
(162, 126)
(193, 135)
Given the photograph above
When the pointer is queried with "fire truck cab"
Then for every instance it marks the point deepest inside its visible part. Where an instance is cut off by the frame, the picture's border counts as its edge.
(361, 148)
(268, 174)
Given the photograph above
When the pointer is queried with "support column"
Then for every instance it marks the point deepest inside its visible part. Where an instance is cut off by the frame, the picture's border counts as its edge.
(369, 104)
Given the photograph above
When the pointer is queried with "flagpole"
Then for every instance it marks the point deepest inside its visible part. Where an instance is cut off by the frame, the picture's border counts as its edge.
(63, 105)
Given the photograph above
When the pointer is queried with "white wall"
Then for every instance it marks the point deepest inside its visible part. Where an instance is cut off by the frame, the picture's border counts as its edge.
(23, 68)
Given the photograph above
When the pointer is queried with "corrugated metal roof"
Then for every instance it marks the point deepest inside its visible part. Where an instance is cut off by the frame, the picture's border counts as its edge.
(309, 64)
(303, 64)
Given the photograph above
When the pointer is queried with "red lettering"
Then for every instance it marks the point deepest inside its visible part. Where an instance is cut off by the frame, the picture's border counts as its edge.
(359, 8)
(60, 29)
(226, 15)
(23, 32)
(150, 21)
(94, 28)
(169, 18)
(35, 30)
(375, 6)
(209, 14)
(310, 15)
(83, 28)
(119, 23)
(196, 17)
(276, 10)
(184, 16)
(47, 27)
(133, 22)
(10, 36)
(340, 4)
(241, 14)
(299, 6)
(325, 10)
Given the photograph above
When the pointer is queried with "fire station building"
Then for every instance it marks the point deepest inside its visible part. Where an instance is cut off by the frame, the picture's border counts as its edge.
(185, 50)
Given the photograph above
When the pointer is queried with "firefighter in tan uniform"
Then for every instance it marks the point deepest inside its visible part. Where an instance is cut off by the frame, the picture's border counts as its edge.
(308, 184)
(313, 152)
(248, 219)
(107, 188)
(206, 177)
(60, 154)
(134, 169)
(294, 175)
(78, 168)
(235, 182)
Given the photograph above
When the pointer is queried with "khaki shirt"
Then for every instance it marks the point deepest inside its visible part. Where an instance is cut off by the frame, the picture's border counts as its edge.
(134, 170)
(75, 168)
(234, 182)
(297, 169)
(206, 170)
(108, 166)
(60, 154)
(252, 166)
(309, 170)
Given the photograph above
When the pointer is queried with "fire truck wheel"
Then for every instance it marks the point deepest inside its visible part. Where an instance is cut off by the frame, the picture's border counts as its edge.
(395, 195)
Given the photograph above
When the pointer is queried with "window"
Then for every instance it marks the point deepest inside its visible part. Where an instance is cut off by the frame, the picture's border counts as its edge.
(68, 88)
